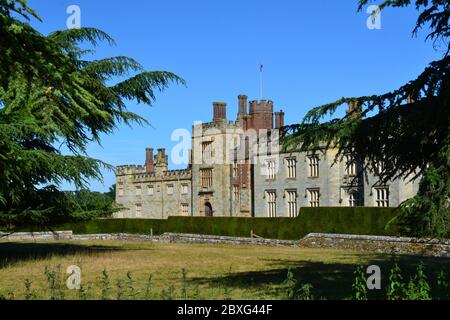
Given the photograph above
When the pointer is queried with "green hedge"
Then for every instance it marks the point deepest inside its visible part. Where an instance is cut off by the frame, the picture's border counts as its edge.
(358, 220)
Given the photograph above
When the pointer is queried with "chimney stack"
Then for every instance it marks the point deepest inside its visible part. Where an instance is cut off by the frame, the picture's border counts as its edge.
(220, 111)
(162, 161)
(149, 164)
(242, 104)
(279, 119)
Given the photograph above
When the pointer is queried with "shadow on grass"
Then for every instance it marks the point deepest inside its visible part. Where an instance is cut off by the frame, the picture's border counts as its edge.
(332, 281)
(16, 252)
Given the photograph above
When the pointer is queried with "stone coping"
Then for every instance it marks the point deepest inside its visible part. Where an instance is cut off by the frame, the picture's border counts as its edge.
(377, 238)
(185, 237)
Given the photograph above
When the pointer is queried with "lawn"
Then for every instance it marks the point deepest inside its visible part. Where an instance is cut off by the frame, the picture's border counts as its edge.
(210, 271)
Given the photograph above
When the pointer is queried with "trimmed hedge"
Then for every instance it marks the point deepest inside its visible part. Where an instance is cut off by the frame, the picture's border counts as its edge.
(357, 220)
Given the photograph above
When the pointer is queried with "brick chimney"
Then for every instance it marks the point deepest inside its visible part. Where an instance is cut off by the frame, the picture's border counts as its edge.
(220, 111)
(279, 119)
(242, 104)
(149, 164)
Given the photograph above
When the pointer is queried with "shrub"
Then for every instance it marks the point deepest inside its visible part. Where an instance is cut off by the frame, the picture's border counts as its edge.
(358, 220)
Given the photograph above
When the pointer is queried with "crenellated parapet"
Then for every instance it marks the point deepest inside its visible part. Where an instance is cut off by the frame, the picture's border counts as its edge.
(171, 175)
(129, 170)
(139, 173)
(261, 106)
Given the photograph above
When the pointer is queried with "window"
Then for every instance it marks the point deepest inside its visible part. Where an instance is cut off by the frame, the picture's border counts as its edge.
(314, 198)
(184, 189)
(138, 210)
(350, 165)
(271, 171)
(291, 168)
(170, 189)
(271, 198)
(138, 190)
(236, 193)
(184, 209)
(207, 152)
(150, 190)
(353, 199)
(313, 166)
(120, 191)
(291, 199)
(206, 178)
(382, 197)
(235, 169)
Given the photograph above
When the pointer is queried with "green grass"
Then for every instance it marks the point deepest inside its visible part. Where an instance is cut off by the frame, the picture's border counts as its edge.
(210, 271)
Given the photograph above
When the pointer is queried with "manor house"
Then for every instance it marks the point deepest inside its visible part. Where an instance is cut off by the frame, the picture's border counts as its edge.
(237, 169)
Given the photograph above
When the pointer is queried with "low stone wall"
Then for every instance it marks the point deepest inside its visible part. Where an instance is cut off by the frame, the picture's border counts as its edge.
(378, 244)
(36, 236)
(372, 244)
(196, 238)
(165, 238)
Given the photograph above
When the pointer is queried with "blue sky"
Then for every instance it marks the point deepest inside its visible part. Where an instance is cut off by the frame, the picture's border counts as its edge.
(313, 52)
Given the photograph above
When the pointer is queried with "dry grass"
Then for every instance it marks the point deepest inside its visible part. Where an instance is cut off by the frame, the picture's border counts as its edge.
(213, 271)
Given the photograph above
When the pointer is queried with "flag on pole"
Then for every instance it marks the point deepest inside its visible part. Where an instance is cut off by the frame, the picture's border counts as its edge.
(261, 67)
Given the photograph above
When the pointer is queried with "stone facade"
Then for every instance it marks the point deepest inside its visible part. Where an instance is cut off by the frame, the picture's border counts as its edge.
(153, 191)
(334, 183)
(236, 169)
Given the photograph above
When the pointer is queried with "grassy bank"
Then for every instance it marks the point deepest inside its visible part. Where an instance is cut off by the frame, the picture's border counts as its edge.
(210, 271)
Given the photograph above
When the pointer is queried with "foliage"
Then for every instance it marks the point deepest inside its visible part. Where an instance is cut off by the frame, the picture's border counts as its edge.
(55, 283)
(53, 99)
(443, 285)
(359, 287)
(112, 192)
(87, 205)
(406, 130)
(418, 287)
(396, 288)
(291, 285)
(105, 284)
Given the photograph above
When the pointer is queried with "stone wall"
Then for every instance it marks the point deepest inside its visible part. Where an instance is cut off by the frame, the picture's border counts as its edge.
(36, 236)
(371, 244)
(196, 238)
(378, 244)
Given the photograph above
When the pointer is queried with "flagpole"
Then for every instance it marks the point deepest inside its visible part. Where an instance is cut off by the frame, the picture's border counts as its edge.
(261, 81)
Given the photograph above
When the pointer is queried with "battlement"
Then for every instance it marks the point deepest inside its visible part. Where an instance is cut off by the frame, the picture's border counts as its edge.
(218, 125)
(261, 106)
(130, 169)
(171, 175)
(140, 172)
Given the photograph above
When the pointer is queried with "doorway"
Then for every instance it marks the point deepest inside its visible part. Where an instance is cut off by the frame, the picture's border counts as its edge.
(208, 210)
